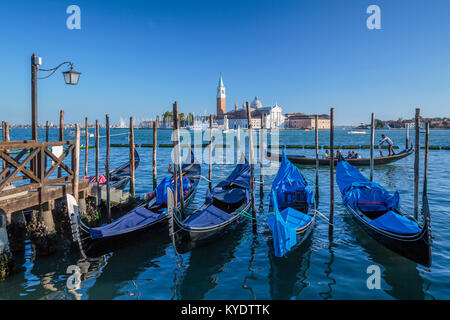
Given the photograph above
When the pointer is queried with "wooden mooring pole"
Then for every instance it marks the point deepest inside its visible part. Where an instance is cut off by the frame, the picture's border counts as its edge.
(252, 163)
(238, 144)
(210, 150)
(407, 136)
(416, 165)
(316, 131)
(330, 230)
(261, 157)
(76, 164)
(177, 150)
(132, 169)
(155, 146)
(97, 155)
(108, 178)
(425, 167)
(86, 141)
(61, 135)
(372, 142)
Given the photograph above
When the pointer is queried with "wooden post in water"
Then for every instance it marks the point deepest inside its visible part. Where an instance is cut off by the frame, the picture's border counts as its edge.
(177, 150)
(316, 131)
(132, 169)
(61, 135)
(252, 161)
(372, 142)
(330, 231)
(210, 150)
(108, 178)
(155, 145)
(425, 167)
(407, 136)
(97, 155)
(47, 126)
(86, 141)
(5, 129)
(261, 157)
(416, 165)
(76, 164)
(238, 144)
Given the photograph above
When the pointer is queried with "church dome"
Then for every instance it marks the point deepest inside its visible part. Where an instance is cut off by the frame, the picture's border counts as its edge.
(256, 103)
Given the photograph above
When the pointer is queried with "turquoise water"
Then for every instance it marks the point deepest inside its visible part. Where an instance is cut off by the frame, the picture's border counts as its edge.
(242, 266)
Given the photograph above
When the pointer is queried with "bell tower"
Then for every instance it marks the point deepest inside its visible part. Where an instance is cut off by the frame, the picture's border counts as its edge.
(221, 109)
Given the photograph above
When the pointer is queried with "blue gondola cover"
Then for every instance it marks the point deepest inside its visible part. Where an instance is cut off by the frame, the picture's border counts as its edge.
(289, 180)
(284, 227)
(133, 220)
(161, 189)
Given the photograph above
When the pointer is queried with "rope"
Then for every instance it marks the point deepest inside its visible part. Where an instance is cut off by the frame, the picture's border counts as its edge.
(117, 134)
(323, 217)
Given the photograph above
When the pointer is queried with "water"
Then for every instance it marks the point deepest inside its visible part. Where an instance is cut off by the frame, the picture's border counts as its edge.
(242, 266)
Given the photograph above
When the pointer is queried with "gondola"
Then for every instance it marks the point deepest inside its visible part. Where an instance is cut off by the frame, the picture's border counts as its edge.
(379, 214)
(303, 160)
(292, 200)
(151, 215)
(120, 176)
(220, 213)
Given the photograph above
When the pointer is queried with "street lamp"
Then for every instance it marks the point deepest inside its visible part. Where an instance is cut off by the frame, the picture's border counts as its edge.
(70, 77)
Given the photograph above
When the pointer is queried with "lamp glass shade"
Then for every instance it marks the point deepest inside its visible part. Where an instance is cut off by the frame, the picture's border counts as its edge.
(71, 77)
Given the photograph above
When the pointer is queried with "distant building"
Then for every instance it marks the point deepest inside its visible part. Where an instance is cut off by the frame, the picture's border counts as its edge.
(221, 99)
(304, 121)
(272, 116)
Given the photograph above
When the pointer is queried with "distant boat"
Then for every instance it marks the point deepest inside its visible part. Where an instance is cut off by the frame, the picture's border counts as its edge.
(306, 130)
(72, 133)
(357, 132)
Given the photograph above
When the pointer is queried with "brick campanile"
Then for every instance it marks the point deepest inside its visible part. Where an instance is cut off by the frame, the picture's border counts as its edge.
(221, 97)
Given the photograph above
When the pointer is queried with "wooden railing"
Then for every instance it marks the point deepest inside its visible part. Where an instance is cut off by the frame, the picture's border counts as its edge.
(27, 160)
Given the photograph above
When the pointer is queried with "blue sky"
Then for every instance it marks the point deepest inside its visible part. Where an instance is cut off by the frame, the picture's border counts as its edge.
(137, 57)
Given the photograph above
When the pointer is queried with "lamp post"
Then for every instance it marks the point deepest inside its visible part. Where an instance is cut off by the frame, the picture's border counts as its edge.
(70, 77)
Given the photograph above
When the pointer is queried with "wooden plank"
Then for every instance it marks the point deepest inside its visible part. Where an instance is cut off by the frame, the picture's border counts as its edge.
(59, 161)
(20, 167)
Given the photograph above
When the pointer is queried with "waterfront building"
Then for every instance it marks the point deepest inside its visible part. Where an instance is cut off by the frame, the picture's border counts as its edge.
(304, 121)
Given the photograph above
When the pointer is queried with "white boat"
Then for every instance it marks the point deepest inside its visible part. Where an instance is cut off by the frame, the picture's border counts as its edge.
(357, 132)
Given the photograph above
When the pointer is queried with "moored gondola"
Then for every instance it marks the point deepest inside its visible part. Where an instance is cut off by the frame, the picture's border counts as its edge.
(379, 214)
(292, 200)
(221, 212)
(120, 176)
(149, 216)
(302, 160)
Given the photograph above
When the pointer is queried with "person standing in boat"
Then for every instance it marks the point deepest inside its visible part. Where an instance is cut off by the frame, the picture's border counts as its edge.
(389, 142)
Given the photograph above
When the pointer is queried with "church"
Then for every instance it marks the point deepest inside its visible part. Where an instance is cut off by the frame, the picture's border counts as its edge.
(272, 116)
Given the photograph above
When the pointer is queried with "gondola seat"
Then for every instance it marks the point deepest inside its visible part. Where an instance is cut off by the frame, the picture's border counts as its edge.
(209, 217)
(133, 220)
(228, 200)
(393, 222)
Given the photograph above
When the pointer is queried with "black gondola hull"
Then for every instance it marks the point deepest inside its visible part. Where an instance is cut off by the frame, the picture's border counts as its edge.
(415, 248)
(186, 240)
(301, 160)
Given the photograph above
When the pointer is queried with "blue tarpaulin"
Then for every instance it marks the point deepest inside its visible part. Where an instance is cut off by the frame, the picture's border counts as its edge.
(290, 180)
(161, 189)
(356, 189)
(133, 220)
(284, 227)
(209, 217)
(363, 195)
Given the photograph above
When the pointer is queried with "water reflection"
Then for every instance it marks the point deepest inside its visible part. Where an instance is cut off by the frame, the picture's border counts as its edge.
(205, 263)
(126, 264)
(288, 275)
(396, 269)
